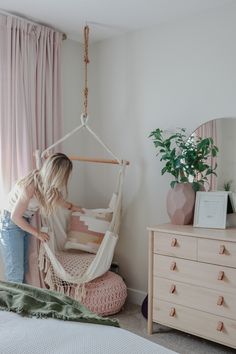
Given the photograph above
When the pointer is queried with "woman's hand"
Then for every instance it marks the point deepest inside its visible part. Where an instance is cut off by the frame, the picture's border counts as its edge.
(70, 206)
(42, 236)
(75, 208)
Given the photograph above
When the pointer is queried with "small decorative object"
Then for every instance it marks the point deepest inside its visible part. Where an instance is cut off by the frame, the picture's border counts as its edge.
(211, 209)
(144, 307)
(180, 204)
(227, 185)
(186, 159)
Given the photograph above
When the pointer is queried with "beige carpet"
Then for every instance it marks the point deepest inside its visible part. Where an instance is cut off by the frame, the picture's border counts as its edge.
(132, 319)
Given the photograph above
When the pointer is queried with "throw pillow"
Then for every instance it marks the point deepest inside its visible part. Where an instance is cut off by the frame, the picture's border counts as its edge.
(86, 231)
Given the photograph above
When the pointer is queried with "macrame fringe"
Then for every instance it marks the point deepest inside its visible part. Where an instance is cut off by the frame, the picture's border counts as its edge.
(43, 261)
(49, 279)
(46, 267)
(41, 258)
(80, 292)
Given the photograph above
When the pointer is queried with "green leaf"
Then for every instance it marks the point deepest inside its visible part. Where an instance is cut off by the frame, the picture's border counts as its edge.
(164, 170)
(185, 156)
(184, 179)
(196, 186)
(173, 183)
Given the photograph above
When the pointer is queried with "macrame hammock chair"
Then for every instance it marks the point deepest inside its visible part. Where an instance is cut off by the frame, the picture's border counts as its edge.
(64, 271)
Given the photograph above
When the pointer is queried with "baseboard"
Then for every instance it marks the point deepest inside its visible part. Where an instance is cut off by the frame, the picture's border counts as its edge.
(136, 296)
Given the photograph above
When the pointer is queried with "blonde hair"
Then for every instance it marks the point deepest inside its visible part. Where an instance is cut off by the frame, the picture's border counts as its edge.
(50, 181)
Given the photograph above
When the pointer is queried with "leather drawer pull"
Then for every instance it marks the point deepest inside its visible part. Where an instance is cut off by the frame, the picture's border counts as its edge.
(172, 312)
(221, 275)
(173, 242)
(220, 301)
(222, 249)
(172, 289)
(173, 266)
(220, 326)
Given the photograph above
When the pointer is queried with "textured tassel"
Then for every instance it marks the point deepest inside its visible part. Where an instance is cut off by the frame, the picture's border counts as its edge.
(49, 280)
(80, 292)
(41, 258)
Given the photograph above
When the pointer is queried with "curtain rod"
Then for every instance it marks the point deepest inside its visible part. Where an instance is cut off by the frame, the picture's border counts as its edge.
(3, 12)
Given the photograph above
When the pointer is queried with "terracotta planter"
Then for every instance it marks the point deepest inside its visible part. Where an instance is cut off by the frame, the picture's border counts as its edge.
(180, 204)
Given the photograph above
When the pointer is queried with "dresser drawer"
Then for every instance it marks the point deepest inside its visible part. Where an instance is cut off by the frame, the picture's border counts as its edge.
(196, 322)
(175, 245)
(217, 252)
(195, 273)
(216, 302)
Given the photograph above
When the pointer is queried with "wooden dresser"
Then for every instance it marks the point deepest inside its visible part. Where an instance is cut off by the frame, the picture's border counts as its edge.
(192, 281)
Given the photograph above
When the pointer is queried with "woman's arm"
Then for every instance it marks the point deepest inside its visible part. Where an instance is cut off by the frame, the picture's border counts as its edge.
(70, 206)
(18, 212)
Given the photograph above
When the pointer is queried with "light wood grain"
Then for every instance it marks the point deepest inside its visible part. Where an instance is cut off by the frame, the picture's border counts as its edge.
(97, 160)
(192, 277)
(215, 302)
(188, 230)
(175, 245)
(150, 283)
(196, 273)
(217, 252)
(219, 329)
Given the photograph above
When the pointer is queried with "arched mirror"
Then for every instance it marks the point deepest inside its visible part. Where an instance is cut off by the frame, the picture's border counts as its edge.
(223, 132)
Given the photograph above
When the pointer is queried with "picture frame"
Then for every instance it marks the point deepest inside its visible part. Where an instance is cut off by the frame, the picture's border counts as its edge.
(211, 209)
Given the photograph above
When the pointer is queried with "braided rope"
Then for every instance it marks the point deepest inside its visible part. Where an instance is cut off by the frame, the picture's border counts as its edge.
(86, 62)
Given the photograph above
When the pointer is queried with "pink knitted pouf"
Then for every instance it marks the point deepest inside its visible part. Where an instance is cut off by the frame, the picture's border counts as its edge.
(105, 295)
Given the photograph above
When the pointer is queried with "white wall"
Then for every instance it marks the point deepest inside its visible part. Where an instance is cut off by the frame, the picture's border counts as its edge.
(79, 143)
(226, 170)
(175, 75)
(72, 81)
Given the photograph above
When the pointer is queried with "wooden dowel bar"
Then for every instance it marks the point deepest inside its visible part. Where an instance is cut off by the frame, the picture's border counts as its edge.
(96, 160)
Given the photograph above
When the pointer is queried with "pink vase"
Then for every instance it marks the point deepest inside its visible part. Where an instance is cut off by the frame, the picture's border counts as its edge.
(180, 204)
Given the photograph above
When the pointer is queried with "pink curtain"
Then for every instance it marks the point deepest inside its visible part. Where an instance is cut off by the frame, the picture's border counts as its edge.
(30, 99)
(209, 130)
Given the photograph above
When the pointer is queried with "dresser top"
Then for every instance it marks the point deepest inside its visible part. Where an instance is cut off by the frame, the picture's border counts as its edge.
(228, 234)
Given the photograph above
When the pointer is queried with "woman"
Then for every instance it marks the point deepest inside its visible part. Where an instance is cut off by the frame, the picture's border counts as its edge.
(42, 189)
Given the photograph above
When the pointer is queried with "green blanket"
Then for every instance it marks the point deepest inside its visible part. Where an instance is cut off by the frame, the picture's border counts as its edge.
(27, 300)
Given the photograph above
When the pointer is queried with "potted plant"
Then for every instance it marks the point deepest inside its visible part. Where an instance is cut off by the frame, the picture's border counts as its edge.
(187, 160)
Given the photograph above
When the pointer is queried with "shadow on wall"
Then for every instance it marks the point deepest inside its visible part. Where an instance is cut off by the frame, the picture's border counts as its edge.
(133, 223)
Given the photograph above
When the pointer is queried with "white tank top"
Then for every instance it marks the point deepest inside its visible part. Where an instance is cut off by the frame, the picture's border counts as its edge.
(33, 205)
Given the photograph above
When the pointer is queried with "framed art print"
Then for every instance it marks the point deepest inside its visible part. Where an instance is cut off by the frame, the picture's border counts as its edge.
(211, 209)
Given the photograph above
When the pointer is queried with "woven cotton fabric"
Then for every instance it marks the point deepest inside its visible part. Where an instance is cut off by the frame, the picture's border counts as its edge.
(22, 335)
(104, 295)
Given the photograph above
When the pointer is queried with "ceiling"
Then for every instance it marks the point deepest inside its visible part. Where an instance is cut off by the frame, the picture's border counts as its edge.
(107, 18)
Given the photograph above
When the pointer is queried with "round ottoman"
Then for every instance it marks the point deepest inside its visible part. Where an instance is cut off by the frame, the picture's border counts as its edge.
(105, 295)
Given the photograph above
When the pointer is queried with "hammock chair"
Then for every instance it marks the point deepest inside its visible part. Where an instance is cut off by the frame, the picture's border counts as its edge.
(53, 263)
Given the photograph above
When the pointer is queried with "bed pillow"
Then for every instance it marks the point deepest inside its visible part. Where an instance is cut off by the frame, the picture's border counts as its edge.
(86, 231)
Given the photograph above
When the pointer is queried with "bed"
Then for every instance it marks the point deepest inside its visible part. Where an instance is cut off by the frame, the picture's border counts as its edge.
(41, 321)
(43, 336)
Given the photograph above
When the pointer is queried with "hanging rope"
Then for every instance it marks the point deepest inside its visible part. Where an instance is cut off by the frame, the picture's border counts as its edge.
(86, 61)
(84, 119)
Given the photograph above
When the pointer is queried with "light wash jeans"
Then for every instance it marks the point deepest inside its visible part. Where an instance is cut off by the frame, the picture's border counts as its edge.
(14, 248)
